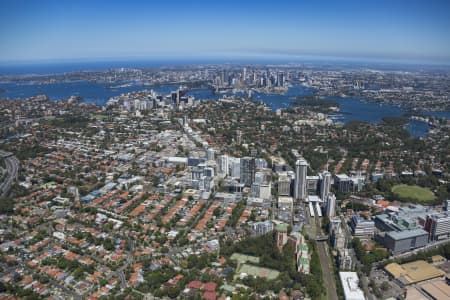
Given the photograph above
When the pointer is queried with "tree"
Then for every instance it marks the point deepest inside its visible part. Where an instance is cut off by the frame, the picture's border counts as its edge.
(108, 244)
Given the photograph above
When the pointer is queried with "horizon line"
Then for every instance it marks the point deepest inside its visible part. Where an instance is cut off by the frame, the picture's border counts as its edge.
(285, 57)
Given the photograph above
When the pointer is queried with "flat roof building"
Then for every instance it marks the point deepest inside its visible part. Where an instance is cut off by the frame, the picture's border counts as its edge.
(413, 272)
(350, 284)
(403, 241)
(436, 289)
(361, 226)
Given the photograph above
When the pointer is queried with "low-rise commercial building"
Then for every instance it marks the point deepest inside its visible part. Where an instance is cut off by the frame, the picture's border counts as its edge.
(361, 226)
(403, 241)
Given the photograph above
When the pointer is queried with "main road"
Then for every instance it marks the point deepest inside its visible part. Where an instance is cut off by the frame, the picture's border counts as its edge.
(12, 167)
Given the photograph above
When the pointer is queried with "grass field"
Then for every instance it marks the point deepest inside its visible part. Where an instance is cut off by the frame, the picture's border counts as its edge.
(413, 192)
(242, 258)
(255, 271)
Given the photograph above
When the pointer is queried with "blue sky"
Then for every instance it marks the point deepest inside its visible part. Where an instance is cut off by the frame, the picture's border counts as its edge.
(77, 30)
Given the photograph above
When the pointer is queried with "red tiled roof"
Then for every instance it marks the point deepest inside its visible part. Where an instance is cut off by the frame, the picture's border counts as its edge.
(210, 286)
(195, 285)
(210, 296)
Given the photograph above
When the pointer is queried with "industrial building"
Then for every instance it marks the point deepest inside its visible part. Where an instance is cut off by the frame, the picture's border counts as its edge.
(413, 272)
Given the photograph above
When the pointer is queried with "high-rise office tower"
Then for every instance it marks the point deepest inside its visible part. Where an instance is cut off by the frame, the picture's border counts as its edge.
(223, 164)
(248, 169)
(301, 168)
(331, 205)
(235, 166)
(325, 185)
(280, 79)
(210, 154)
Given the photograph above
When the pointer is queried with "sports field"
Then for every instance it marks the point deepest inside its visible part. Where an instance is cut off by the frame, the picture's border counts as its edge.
(255, 271)
(414, 192)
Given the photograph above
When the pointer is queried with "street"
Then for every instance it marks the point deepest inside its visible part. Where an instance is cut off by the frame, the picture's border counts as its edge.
(12, 167)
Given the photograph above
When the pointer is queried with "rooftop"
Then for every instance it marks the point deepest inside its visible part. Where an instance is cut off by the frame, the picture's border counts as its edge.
(405, 234)
(350, 284)
(413, 272)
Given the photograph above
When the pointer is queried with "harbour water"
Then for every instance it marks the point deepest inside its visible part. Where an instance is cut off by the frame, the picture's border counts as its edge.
(351, 109)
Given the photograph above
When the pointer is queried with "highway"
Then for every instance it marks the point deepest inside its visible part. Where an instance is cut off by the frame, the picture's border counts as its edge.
(12, 168)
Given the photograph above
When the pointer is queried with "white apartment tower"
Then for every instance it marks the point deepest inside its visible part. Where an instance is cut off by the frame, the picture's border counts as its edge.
(301, 169)
(325, 185)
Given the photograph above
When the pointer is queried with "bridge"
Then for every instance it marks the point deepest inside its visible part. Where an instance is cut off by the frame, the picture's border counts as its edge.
(322, 238)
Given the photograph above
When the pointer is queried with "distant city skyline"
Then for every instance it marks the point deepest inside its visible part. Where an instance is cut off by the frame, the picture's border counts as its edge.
(413, 31)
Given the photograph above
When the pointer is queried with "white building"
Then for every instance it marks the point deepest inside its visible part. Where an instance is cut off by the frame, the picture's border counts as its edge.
(210, 153)
(301, 169)
(350, 284)
(223, 164)
(325, 185)
(235, 166)
(263, 191)
(331, 205)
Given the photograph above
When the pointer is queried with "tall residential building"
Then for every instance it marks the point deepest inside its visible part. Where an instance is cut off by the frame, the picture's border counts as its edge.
(438, 226)
(223, 164)
(235, 166)
(261, 228)
(325, 185)
(301, 169)
(248, 169)
(331, 205)
(210, 154)
(281, 236)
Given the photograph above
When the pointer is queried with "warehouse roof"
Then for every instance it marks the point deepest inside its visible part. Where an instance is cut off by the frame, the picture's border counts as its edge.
(413, 272)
